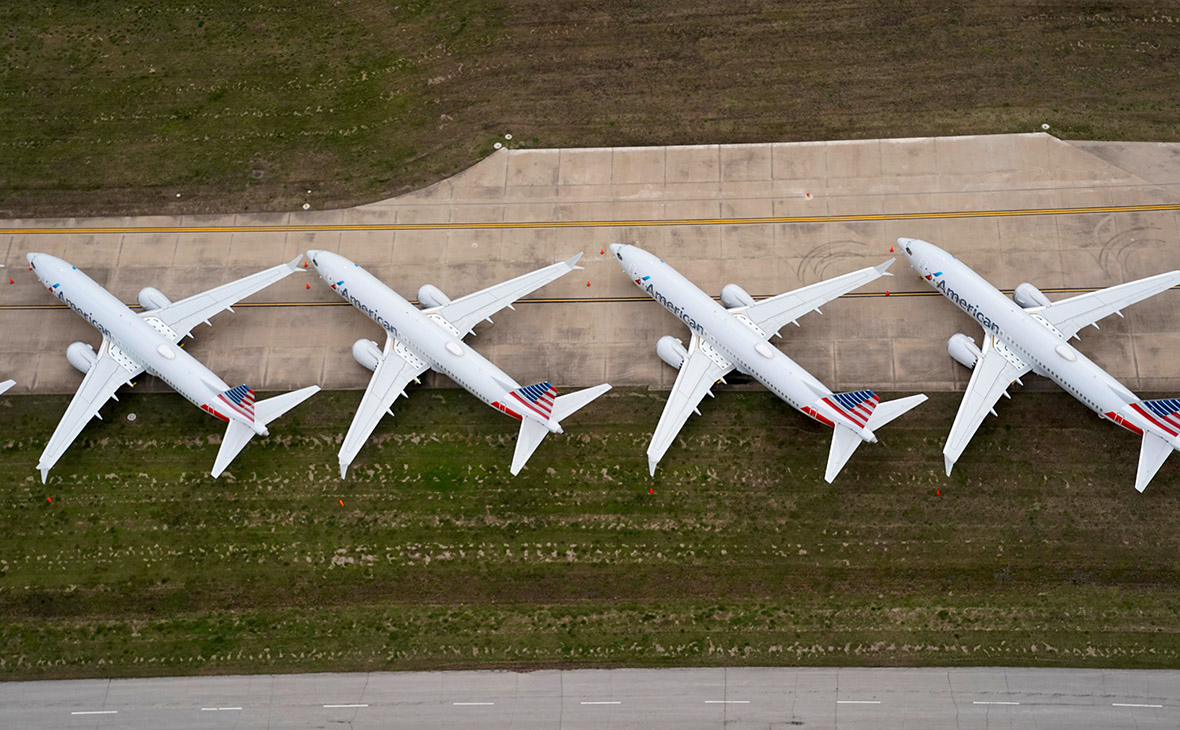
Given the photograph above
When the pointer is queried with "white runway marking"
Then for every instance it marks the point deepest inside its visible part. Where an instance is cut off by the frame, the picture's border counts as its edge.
(980, 702)
(602, 702)
(1131, 704)
(858, 702)
(345, 705)
(95, 712)
(218, 709)
(469, 704)
(727, 702)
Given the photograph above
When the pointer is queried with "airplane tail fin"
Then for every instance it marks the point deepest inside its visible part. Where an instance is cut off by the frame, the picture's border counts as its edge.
(532, 433)
(537, 397)
(857, 406)
(845, 439)
(844, 443)
(240, 400)
(238, 434)
(1152, 454)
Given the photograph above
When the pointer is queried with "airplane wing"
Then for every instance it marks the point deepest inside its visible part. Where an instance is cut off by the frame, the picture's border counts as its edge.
(6, 385)
(182, 316)
(700, 370)
(111, 369)
(396, 369)
(997, 368)
(466, 312)
(772, 314)
(1071, 315)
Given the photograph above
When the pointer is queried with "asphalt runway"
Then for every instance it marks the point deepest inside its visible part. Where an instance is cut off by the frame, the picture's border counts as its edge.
(770, 217)
(683, 699)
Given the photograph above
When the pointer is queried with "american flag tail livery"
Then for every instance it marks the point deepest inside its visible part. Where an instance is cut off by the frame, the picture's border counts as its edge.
(856, 407)
(861, 413)
(240, 400)
(1163, 413)
(538, 398)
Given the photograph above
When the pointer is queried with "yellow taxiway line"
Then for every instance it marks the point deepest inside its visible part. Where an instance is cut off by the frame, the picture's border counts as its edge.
(589, 224)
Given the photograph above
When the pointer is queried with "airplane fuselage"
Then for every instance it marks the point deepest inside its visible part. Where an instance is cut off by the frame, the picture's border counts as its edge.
(428, 338)
(135, 339)
(1033, 339)
(732, 336)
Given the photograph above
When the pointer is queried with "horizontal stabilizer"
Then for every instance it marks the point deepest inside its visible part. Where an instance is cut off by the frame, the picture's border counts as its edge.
(567, 405)
(889, 410)
(532, 433)
(844, 443)
(237, 435)
(271, 408)
(1152, 454)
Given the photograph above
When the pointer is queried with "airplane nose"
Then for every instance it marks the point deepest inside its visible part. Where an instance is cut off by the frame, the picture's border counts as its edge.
(311, 254)
(615, 248)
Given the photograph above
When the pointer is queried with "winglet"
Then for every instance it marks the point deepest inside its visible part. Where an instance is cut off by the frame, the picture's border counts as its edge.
(572, 261)
(293, 264)
(883, 269)
(651, 465)
(949, 464)
(344, 468)
(44, 472)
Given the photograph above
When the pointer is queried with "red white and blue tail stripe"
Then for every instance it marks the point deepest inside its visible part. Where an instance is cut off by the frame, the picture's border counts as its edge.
(240, 400)
(537, 398)
(856, 407)
(1163, 413)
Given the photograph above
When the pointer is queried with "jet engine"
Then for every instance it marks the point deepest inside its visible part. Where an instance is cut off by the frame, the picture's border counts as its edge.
(431, 296)
(671, 351)
(151, 298)
(81, 356)
(367, 353)
(963, 349)
(733, 296)
(1028, 296)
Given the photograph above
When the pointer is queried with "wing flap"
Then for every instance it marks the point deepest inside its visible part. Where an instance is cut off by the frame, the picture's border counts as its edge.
(1071, 315)
(466, 312)
(771, 315)
(699, 371)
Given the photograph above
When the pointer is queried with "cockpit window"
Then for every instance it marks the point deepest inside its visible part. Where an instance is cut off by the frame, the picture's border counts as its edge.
(907, 250)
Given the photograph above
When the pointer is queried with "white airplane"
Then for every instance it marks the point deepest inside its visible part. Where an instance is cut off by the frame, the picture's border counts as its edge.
(417, 340)
(150, 341)
(734, 336)
(1028, 332)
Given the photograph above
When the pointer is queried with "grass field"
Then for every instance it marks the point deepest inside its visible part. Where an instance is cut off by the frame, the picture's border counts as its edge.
(1038, 551)
(117, 107)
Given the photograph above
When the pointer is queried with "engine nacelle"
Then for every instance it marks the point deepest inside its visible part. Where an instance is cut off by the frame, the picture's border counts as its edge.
(964, 350)
(671, 351)
(367, 353)
(1028, 296)
(151, 298)
(733, 296)
(431, 296)
(81, 356)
